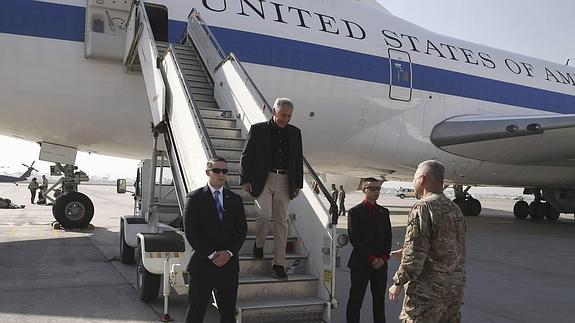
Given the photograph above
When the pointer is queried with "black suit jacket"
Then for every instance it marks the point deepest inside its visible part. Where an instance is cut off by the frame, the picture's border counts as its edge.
(206, 233)
(368, 234)
(256, 159)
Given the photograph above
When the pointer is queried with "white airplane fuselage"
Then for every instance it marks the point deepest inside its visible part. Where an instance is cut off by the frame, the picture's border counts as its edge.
(330, 57)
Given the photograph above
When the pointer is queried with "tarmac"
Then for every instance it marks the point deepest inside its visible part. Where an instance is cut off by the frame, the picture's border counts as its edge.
(517, 271)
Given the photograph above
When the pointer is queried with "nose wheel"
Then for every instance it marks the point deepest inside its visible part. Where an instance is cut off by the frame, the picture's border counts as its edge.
(73, 210)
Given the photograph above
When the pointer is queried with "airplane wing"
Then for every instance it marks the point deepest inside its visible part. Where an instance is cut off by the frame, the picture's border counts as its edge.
(535, 140)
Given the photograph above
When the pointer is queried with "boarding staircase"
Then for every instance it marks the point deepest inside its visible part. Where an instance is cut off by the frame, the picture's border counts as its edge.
(203, 103)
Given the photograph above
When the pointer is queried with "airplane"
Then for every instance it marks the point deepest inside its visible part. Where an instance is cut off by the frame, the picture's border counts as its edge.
(375, 94)
(21, 178)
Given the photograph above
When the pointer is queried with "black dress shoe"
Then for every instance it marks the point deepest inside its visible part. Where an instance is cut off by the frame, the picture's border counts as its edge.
(258, 252)
(279, 272)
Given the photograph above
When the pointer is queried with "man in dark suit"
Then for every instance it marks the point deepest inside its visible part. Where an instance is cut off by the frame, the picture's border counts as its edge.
(272, 172)
(369, 232)
(215, 226)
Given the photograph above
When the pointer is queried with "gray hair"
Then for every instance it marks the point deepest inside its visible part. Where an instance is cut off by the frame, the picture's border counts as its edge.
(280, 102)
(433, 169)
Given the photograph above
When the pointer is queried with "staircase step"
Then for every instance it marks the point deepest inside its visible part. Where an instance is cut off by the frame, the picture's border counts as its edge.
(267, 287)
(250, 210)
(188, 58)
(186, 51)
(228, 142)
(224, 132)
(191, 73)
(233, 178)
(190, 67)
(249, 265)
(248, 246)
(215, 112)
(204, 97)
(220, 123)
(182, 46)
(198, 91)
(198, 85)
(251, 219)
(201, 104)
(246, 197)
(228, 153)
(201, 78)
(297, 309)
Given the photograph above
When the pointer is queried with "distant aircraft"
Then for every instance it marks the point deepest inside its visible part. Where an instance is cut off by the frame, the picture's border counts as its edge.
(21, 178)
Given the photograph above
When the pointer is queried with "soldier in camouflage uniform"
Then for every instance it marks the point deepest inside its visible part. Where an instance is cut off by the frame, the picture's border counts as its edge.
(432, 265)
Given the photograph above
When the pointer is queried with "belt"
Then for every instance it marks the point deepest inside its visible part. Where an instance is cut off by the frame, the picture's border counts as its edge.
(279, 171)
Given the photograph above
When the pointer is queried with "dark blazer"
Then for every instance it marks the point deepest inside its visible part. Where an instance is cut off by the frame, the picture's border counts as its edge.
(370, 235)
(205, 232)
(256, 159)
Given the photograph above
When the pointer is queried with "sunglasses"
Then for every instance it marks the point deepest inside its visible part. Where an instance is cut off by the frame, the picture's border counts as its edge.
(373, 188)
(219, 170)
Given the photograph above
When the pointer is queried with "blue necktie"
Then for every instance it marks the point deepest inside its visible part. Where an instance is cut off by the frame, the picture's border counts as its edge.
(219, 206)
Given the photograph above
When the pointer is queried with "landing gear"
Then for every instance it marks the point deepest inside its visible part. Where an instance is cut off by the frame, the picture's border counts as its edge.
(538, 210)
(552, 214)
(521, 210)
(466, 202)
(71, 208)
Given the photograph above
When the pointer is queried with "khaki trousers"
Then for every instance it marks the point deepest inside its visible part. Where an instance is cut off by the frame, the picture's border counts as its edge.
(273, 202)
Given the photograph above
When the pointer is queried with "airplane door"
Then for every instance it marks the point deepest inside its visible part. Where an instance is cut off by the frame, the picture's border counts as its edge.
(400, 83)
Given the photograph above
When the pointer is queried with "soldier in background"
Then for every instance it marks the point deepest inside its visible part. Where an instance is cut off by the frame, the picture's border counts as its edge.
(432, 267)
(341, 198)
(334, 193)
(33, 186)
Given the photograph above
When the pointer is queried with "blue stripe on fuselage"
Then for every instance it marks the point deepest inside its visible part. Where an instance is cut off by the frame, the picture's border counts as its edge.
(65, 22)
(298, 55)
(41, 19)
(273, 51)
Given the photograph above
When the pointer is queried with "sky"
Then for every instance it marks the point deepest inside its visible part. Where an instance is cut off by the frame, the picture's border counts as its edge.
(534, 28)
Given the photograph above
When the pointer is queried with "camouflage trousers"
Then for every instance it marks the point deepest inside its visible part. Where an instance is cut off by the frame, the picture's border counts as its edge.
(438, 311)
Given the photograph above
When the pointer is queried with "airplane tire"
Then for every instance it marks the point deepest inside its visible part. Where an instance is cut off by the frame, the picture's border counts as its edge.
(551, 213)
(462, 205)
(473, 207)
(537, 210)
(73, 210)
(521, 210)
(126, 252)
(401, 196)
(148, 284)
